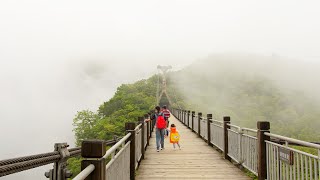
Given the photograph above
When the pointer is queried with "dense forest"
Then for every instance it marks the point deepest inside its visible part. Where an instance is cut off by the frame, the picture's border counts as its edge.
(233, 86)
(129, 102)
(254, 88)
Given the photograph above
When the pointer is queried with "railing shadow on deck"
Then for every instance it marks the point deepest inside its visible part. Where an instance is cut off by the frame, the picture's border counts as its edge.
(266, 155)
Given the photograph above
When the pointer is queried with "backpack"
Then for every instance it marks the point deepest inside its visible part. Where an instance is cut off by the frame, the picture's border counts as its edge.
(174, 137)
(161, 122)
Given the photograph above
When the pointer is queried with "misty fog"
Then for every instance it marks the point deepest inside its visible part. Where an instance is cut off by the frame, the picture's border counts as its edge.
(60, 57)
(252, 88)
(287, 73)
(40, 99)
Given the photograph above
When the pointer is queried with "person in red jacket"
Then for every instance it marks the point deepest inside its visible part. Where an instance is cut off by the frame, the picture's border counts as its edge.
(158, 117)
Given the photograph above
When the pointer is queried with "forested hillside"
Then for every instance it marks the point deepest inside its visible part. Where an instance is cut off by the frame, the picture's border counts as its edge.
(254, 88)
(129, 102)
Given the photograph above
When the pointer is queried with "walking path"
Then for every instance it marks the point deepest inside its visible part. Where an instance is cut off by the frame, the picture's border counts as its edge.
(195, 160)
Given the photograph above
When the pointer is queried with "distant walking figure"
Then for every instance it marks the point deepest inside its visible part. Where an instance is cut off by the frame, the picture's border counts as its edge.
(174, 136)
(166, 114)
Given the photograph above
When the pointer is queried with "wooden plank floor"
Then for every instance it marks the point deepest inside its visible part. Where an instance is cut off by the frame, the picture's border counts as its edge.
(195, 160)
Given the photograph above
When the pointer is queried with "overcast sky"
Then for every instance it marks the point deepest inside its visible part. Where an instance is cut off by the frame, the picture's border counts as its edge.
(57, 57)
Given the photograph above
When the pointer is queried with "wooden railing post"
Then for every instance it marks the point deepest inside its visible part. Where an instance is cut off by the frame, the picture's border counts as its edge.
(150, 125)
(192, 120)
(142, 137)
(263, 127)
(151, 129)
(177, 113)
(188, 119)
(130, 129)
(92, 152)
(184, 117)
(181, 115)
(209, 117)
(226, 120)
(199, 121)
(146, 116)
(153, 122)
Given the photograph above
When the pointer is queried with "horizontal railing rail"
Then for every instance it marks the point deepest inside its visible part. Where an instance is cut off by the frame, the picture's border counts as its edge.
(293, 141)
(85, 173)
(15, 165)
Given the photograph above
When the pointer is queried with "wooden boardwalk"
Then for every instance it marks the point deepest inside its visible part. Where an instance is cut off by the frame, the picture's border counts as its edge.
(195, 160)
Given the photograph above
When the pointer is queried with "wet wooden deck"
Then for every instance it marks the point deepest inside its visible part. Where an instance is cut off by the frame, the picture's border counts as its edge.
(195, 160)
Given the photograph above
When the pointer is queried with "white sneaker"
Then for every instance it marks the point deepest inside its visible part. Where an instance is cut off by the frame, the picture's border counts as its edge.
(157, 150)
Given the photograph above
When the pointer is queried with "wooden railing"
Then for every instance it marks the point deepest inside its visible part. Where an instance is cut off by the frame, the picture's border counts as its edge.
(58, 157)
(268, 156)
(121, 160)
(118, 162)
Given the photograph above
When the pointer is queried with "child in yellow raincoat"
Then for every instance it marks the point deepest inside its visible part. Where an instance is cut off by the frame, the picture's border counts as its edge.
(174, 136)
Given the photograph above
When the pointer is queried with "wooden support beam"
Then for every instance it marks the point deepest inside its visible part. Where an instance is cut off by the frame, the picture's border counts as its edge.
(209, 118)
(199, 123)
(141, 119)
(130, 129)
(263, 126)
(188, 119)
(94, 149)
(226, 120)
(192, 120)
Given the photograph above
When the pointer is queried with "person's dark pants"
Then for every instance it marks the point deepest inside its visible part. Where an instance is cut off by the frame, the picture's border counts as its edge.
(168, 122)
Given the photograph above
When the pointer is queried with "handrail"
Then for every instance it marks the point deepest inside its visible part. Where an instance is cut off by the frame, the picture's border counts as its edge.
(304, 143)
(138, 127)
(221, 122)
(234, 126)
(85, 173)
(116, 146)
(250, 130)
(292, 149)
